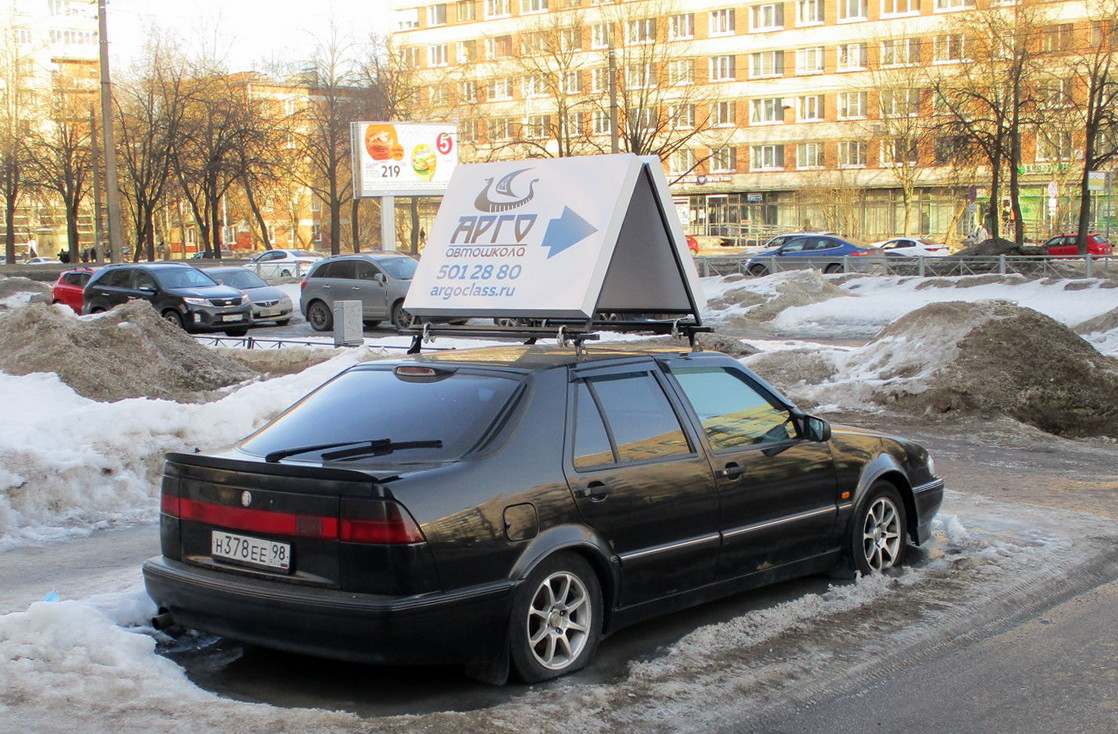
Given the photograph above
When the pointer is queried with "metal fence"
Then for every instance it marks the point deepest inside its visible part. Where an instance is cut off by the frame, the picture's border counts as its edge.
(1028, 266)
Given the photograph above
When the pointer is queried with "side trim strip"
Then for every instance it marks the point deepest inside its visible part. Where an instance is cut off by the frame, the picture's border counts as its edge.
(779, 521)
(669, 547)
(930, 486)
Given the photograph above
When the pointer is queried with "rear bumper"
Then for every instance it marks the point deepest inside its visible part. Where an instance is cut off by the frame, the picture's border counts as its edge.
(462, 626)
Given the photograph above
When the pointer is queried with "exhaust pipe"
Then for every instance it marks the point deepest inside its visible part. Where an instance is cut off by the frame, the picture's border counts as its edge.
(163, 620)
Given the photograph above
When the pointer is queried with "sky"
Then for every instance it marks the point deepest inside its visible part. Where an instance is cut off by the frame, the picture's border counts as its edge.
(245, 31)
(88, 662)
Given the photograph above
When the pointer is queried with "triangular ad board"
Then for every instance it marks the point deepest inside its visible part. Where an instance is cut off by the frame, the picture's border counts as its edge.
(561, 238)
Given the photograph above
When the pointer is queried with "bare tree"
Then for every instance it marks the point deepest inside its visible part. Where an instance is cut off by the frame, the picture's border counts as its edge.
(150, 109)
(16, 119)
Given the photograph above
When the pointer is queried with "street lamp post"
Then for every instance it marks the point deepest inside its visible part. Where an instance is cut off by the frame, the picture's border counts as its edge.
(112, 187)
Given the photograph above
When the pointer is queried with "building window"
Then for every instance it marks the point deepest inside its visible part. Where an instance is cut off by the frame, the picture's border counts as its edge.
(768, 17)
(466, 11)
(411, 56)
(900, 52)
(467, 51)
(1057, 38)
(682, 116)
(533, 6)
(640, 76)
(538, 127)
(496, 8)
(851, 57)
(900, 102)
(899, 7)
(949, 48)
(809, 156)
(467, 131)
(570, 39)
(535, 85)
(436, 15)
(500, 129)
(944, 5)
(724, 160)
(766, 63)
(809, 108)
(500, 90)
(851, 154)
(681, 27)
(407, 20)
(722, 114)
(682, 161)
(21, 36)
(642, 118)
(438, 94)
(809, 60)
(853, 9)
(571, 82)
(467, 91)
(601, 122)
(1054, 146)
(767, 111)
(641, 30)
(722, 22)
(1055, 93)
(767, 157)
(599, 80)
(599, 35)
(899, 152)
(436, 55)
(681, 71)
(851, 105)
(499, 47)
(722, 69)
(809, 12)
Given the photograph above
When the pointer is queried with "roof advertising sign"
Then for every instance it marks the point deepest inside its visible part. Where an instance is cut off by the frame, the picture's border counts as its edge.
(555, 238)
(400, 159)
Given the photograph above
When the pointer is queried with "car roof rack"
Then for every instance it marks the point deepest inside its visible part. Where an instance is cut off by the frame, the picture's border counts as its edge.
(565, 331)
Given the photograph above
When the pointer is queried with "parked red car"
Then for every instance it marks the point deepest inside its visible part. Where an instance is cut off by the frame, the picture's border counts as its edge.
(692, 245)
(69, 287)
(1064, 245)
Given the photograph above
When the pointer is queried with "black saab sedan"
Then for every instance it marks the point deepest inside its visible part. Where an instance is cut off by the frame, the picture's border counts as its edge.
(508, 506)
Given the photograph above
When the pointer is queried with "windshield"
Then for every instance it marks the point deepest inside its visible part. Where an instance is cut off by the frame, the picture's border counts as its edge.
(400, 268)
(372, 403)
(239, 278)
(183, 278)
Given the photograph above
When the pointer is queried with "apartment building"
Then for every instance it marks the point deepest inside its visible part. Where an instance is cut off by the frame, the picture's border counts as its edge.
(769, 115)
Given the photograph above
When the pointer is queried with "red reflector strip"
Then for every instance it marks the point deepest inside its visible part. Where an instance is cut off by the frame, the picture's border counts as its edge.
(169, 504)
(380, 531)
(261, 521)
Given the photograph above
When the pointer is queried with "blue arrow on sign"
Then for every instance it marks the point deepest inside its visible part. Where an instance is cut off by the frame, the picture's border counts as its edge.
(566, 230)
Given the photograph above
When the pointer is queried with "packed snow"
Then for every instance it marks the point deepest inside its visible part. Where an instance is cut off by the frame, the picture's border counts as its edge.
(72, 465)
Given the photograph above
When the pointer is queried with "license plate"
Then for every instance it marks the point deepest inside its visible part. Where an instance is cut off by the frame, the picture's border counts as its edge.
(233, 317)
(251, 551)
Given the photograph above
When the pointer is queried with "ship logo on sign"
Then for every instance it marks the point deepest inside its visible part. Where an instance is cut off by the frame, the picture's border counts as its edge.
(503, 198)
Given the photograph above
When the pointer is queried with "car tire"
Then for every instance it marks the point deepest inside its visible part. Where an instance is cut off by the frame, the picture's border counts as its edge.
(172, 317)
(556, 619)
(319, 316)
(832, 269)
(758, 270)
(401, 319)
(879, 532)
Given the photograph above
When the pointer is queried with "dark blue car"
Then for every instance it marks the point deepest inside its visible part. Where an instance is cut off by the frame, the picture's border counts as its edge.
(823, 252)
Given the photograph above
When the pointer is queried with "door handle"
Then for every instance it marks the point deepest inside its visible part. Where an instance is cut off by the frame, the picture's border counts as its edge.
(731, 471)
(595, 492)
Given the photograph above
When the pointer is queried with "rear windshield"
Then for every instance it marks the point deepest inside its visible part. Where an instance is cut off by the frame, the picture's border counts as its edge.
(372, 403)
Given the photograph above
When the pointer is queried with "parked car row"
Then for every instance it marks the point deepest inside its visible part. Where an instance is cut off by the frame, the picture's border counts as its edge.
(229, 299)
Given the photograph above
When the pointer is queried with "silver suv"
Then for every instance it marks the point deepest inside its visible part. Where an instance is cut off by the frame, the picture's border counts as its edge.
(380, 281)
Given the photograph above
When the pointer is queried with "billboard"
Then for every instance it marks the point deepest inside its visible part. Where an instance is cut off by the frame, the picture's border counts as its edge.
(402, 158)
(556, 238)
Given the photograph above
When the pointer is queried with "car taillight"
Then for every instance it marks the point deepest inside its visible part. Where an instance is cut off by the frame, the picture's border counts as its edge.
(302, 284)
(378, 521)
(169, 504)
(861, 253)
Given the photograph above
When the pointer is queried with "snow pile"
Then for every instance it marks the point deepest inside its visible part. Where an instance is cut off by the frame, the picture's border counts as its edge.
(15, 292)
(128, 352)
(70, 464)
(950, 358)
(760, 300)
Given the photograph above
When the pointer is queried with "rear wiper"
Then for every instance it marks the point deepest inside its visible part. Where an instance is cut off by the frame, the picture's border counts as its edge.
(378, 447)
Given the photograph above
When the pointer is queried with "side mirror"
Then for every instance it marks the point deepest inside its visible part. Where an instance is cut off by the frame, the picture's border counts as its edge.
(816, 429)
(379, 277)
